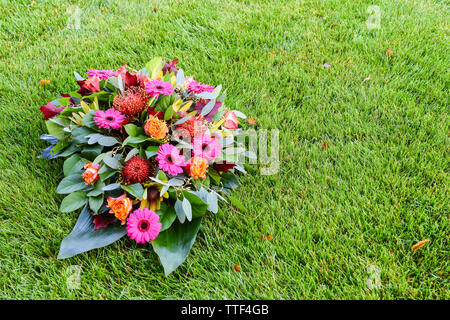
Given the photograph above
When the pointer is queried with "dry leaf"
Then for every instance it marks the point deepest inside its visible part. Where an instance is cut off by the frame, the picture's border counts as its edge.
(325, 145)
(237, 267)
(420, 244)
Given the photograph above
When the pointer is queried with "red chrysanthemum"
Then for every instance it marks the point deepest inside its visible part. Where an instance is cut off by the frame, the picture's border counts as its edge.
(195, 126)
(138, 170)
(133, 101)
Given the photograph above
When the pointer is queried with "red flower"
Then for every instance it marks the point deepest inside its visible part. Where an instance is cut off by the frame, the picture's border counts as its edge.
(103, 220)
(170, 67)
(50, 110)
(223, 167)
(138, 170)
(89, 86)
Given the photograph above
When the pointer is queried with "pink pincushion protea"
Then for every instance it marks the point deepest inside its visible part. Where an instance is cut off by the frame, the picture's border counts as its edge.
(143, 225)
(156, 87)
(170, 160)
(110, 118)
(101, 74)
(197, 88)
(206, 147)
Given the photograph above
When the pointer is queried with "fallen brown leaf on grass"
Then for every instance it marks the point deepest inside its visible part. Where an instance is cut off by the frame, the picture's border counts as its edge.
(420, 244)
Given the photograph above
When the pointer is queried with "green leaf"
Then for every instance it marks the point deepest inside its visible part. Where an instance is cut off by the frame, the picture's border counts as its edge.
(187, 209)
(169, 113)
(107, 141)
(91, 152)
(96, 202)
(107, 174)
(198, 205)
(167, 216)
(98, 189)
(111, 162)
(133, 130)
(180, 211)
(88, 119)
(56, 129)
(84, 238)
(73, 201)
(154, 66)
(151, 151)
(71, 184)
(136, 190)
(73, 164)
(69, 151)
(131, 154)
(173, 245)
(134, 140)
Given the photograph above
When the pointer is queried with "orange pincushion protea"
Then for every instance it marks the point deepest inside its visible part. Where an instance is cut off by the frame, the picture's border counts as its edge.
(197, 168)
(155, 128)
(120, 207)
(133, 101)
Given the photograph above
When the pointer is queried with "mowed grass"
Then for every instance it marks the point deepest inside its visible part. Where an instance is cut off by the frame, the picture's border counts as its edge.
(336, 215)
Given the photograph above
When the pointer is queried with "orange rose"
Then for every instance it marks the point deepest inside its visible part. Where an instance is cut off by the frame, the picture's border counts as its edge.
(197, 168)
(120, 207)
(155, 128)
(91, 173)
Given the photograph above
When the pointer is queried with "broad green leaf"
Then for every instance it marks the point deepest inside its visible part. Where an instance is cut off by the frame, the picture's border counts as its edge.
(73, 201)
(111, 162)
(91, 152)
(84, 238)
(173, 245)
(133, 130)
(98, 189)
(136, 190)
(198, 205)
(96, 202)
(55, 129)
(73, 164)
(107, 141)
(112, 186)
(154, 66)
(167, 216)
(71, 184)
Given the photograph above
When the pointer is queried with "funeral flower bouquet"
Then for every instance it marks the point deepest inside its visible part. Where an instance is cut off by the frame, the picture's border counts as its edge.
(148, 153)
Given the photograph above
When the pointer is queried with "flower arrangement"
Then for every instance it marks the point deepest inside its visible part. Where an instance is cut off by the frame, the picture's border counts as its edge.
(148, 153)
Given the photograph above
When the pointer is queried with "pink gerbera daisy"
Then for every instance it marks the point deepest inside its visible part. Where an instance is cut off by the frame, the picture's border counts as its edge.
(170, 160)
(196, 87)
(102, 74)
(143, 225)
(110, 118)
(206, 147)
(156, 87)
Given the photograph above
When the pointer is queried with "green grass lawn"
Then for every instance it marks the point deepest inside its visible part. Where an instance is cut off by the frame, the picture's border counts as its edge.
(336, 214)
